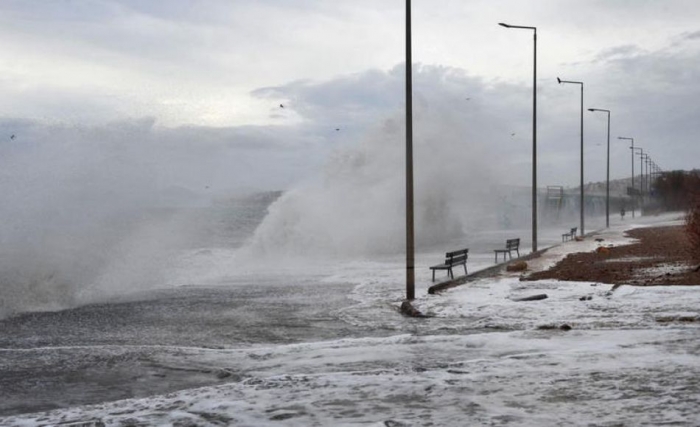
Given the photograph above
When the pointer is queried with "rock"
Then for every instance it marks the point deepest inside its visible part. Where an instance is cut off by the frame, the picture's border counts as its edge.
(532, 298)
(578, 238)
(563, 327)
(667, 319)
(517, 266)
(599, 239)
(223, 373)
(585, 298)
(603, 250)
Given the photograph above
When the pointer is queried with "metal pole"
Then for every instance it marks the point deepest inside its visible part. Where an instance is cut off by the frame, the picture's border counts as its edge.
(607, 181)
(607, 174)
(410, 250)
(641, 175)
(633, 198)
(582, 199)
(534, 145)
(534, 131)
(632, 158)
(647, 161)
(582, 202)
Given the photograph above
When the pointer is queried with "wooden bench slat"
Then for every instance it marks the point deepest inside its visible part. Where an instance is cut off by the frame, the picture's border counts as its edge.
(452, 259)
(511, 245)
(570, 235)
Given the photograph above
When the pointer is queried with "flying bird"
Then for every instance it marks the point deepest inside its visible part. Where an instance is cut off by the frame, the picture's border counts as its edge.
(337, 129)
(512, 134)
(281, 106)
(12, 136)
(467, 99)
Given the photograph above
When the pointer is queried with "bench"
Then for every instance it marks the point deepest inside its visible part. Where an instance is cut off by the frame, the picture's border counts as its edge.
(451, 259)
(570, 235)
(511, 245)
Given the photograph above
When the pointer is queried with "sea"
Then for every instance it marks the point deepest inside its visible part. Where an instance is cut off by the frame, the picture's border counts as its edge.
(267, 291)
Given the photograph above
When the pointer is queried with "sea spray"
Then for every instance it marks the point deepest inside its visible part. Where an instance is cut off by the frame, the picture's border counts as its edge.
(83, 216)
(356, 207)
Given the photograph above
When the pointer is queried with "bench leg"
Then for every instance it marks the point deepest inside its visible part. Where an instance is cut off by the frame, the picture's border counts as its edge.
(518, 252)
(433, 275)
(451, 275)
(465, 269)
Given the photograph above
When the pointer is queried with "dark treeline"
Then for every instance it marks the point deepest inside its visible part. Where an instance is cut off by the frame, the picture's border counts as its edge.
(678, 190)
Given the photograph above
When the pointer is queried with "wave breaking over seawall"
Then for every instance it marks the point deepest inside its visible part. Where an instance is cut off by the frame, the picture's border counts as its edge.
(356, 207)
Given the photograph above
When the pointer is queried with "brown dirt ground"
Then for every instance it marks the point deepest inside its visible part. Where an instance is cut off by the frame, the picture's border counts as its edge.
(665, 249)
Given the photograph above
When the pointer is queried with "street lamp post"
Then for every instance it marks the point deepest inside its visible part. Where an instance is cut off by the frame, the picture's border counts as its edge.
(642, 158)
(646, 173)
(632, 152)
(582, 199)
(607, 176)
(534, 131)
(641, 171)
(648, 164)
(641, 174)
(410, 245)
(654, 172)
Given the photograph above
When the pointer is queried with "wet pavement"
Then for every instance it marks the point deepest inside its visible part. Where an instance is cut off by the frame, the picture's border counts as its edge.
(103, 352)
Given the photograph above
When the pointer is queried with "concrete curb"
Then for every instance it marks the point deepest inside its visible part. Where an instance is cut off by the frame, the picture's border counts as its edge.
(494, 270)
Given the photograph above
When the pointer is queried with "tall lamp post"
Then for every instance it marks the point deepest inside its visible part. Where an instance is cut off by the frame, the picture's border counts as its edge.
(607, 176)
(534, 131)
(654, 172)
(642, 158)
(410, 245)
(648, 165)
(582, 200)
(641, 171)
(632, 152)
(645, 165)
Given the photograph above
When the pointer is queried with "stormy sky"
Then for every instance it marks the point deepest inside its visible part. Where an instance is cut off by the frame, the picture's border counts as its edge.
(189, 92)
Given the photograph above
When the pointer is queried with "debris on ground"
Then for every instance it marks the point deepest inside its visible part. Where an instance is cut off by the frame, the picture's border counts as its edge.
(517, 266)
(532, 298)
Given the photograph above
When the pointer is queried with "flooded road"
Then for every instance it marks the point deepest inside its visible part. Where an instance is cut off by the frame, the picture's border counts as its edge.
(113, 351)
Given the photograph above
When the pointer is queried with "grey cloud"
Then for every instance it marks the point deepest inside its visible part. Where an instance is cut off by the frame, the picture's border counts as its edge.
(618, 52)
(693, 36)
(654, 96)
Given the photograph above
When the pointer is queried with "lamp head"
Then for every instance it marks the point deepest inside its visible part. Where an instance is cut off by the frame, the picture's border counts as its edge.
(558, 80)
(503, 25)
(592, 109)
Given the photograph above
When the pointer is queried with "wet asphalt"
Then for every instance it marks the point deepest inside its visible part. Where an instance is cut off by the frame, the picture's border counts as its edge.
(111, 351)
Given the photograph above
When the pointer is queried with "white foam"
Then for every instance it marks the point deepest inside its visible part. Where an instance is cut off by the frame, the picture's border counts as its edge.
(630, 358)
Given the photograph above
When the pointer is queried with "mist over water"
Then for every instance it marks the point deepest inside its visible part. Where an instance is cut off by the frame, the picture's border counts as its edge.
(86, 215)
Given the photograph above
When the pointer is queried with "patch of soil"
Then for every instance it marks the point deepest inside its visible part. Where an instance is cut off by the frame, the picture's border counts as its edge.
(662, 257)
